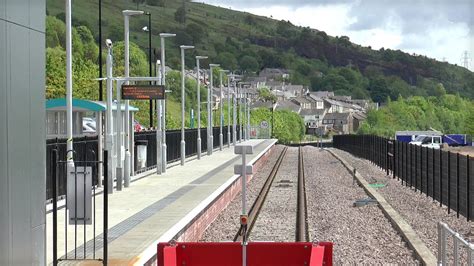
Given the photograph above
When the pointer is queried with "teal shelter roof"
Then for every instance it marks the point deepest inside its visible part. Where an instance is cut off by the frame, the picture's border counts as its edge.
(83, 105)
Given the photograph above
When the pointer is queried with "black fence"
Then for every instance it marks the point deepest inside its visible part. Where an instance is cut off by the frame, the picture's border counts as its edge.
(86, 149)
(442, 175)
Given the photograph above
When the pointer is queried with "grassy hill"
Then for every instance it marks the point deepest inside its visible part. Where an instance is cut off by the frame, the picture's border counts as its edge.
(244, 42)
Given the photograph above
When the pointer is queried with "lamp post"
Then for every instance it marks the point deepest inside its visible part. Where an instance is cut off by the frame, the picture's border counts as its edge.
(228, 112)
(247, 100)
(163, 117)
(241, 118)
(158, 122)
(210, 137)
(234, 112)
(69, 152)
(221, 115)
(148, 29)
(199, 104)
(126, 16)
(100, 57)
(109, 134)
(183, 98)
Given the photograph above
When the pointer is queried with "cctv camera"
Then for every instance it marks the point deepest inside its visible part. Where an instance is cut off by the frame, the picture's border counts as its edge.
(108, 42)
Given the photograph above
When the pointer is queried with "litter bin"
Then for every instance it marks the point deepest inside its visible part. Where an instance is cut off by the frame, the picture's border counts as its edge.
(141, 153)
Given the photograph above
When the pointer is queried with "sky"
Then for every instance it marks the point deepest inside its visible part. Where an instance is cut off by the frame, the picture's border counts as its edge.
(440, 29)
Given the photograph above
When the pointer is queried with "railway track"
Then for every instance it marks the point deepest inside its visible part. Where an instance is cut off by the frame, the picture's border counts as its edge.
(301, 226)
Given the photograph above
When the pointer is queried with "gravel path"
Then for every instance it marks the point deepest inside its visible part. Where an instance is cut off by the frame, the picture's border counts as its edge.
(227, 223)
(420, 211)
(277, 218)
(361, 235)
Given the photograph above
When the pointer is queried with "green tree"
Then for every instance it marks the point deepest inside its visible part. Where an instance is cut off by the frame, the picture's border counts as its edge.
(249, 64)
(160, 3)
(227, 61)
(196, 32)
(180, 15)
(264, 94)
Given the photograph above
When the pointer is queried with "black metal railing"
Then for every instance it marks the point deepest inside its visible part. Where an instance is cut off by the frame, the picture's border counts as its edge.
(442, 175)
(82, 145)
(84, 150)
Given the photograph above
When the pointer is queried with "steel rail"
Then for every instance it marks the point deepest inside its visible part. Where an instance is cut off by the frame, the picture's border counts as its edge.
(302, 233)
(258, 203)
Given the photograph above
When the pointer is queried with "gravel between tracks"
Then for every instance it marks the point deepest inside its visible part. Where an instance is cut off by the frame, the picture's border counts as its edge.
(227, 223)
(277, 218)
(361, 235)
(420, 211)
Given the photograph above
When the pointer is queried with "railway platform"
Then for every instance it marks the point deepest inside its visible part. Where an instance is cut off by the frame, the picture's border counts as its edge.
(178, 204)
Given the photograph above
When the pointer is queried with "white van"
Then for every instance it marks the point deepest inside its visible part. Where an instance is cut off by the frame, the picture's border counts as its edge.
(433, 142)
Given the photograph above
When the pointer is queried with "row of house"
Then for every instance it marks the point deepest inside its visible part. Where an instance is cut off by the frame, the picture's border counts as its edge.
(322, 111)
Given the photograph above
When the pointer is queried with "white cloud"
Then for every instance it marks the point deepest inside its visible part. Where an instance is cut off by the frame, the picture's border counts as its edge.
(413, 27)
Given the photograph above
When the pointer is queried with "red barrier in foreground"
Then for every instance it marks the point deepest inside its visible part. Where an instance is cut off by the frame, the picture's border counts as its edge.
(258, 254)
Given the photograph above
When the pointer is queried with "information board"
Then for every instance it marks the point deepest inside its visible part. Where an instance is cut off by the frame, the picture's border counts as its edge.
(143, 92)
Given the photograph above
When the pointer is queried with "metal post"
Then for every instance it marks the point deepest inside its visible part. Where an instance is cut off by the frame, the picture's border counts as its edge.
(210, 134)
(247, 132)
(457, 185)
(54, 178)
(109, 142)
(70, 156)
(240, 115)
(468, 188)
(101, 98)
(163, 117)
(126, 17)
(440, 178)
(209, 114)
(440, 244)
(100, 167)
(118, 141)
(158, 124)
(221, 103)
(234, 113)
(149, 65)
(106, 207)
(244, 116)
(228, 112)
(199, 104)
(183, 99)
(449, 182)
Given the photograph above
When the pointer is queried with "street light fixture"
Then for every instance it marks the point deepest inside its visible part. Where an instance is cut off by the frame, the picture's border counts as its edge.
(183, 98)
(210, 134)
(228, 111)
(109, 116)
(199, 104)
(150, 62)
(163, 117)
(221, 103)
(126, 16)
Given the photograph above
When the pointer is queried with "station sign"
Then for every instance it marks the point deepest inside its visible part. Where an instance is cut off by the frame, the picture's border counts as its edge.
(143, 92)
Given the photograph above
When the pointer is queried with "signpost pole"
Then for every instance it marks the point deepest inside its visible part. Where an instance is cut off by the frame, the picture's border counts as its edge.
(228, 112)
(159, 151)
(221, 103)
